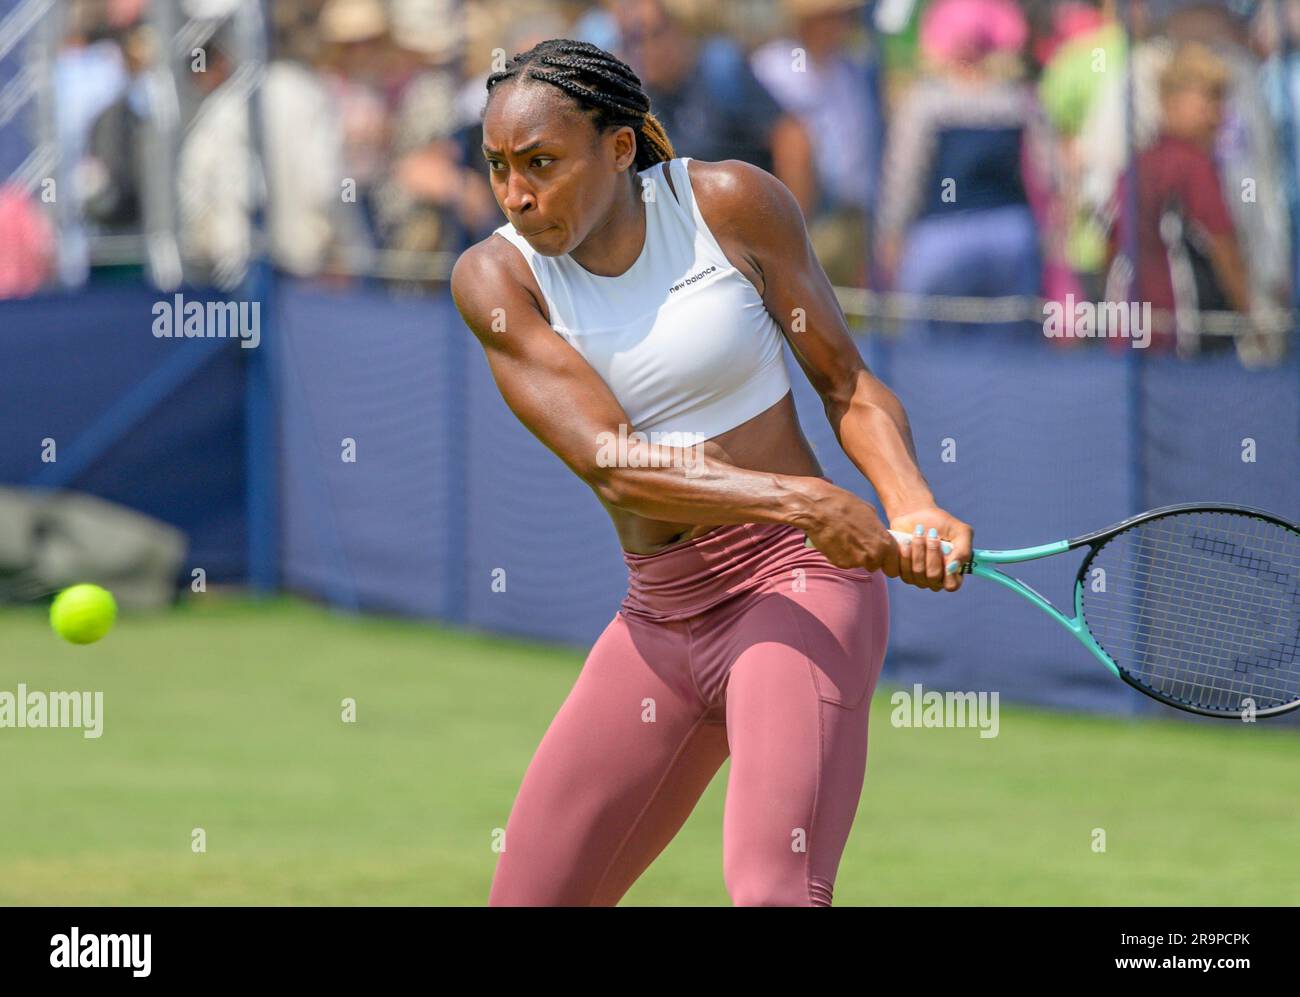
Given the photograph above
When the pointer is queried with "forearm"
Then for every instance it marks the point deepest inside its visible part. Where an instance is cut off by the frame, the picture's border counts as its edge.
(684, 486)
(873, 430)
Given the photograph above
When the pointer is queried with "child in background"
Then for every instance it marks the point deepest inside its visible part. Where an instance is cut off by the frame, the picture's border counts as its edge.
(1188, 258)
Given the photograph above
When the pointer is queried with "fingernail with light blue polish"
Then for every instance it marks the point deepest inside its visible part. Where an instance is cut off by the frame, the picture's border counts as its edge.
(954, 567)
(933, 534)
(920, 530)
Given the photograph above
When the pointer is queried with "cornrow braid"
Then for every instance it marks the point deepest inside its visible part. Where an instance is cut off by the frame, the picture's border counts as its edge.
(601, 84)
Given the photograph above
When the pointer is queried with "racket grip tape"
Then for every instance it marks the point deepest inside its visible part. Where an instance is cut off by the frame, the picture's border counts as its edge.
(904, 541)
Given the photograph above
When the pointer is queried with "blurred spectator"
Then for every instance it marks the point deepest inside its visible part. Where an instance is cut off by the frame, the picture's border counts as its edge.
(355, 33)
(599, 25)
(431, 193)
(898, 26)
(1083, 53)
(965, 32)
(303, 148)
(711, 104)
(1246, 151)
(215, 174)
(834, 91)
(1054, 23)
(124, 13)
(26, 244)
(1094, 107)
(1278, 30)
(954, 213)
(1188, 258)
(113, 171)
(496, 31)
(299, 177)
(90, 73)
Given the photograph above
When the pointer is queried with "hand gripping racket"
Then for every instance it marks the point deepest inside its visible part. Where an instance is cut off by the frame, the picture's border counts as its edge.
(1197, 606)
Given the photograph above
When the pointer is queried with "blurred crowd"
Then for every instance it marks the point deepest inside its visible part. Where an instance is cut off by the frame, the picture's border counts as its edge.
(1073, 150)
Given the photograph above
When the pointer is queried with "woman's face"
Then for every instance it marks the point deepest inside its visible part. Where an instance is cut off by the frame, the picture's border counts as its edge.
(1194, 113)
(551, 174)
(658, 49)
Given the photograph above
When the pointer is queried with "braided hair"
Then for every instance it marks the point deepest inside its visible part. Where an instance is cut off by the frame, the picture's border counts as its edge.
(601, 84)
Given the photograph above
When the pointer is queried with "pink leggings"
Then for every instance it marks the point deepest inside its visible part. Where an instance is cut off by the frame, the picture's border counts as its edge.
(741, 642)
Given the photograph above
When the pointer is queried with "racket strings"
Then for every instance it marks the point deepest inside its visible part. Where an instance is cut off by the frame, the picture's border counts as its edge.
(1189, 660)
(1177, 652)
(1202, 608)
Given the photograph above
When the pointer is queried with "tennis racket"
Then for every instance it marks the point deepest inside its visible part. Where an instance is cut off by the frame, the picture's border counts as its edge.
(1197, 606)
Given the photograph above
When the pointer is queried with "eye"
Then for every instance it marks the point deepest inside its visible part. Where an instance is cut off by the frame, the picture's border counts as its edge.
(541, 162)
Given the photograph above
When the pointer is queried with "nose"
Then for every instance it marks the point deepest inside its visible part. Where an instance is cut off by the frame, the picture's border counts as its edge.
(519, 199)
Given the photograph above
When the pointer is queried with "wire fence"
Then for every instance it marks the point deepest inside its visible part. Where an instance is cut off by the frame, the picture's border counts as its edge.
(33, 31)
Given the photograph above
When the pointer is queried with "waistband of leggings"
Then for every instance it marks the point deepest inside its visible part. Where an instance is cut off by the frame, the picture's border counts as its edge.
(688, 578)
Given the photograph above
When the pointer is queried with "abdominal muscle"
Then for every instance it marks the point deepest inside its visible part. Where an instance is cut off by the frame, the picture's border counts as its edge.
(771, 441)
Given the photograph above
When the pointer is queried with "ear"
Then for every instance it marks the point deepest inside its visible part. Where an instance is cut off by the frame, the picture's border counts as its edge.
(622, 143)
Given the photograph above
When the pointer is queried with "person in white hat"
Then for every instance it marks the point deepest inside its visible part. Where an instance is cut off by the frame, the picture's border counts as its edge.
(355, 36)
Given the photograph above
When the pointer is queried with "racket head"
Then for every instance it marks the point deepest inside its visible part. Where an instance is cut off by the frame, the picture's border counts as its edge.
(1199, 607)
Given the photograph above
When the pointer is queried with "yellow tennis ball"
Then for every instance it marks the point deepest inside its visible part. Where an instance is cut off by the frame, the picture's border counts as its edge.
(83, 613)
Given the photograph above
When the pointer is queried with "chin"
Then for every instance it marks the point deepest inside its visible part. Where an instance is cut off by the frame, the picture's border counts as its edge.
(546, 243)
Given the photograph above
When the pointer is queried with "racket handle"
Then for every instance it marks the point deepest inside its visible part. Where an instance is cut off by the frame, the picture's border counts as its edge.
(904, 540)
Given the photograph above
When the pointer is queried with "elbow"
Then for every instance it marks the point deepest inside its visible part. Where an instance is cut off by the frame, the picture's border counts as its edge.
(837, 401)
(627, 486)
(635, 477)
(606, 482)
(845, 392)
(611, 474)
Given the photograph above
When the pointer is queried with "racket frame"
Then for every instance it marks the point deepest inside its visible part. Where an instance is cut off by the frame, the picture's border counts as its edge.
(981, 559)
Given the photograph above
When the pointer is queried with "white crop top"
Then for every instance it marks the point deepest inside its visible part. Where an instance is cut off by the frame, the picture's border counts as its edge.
(682, 338)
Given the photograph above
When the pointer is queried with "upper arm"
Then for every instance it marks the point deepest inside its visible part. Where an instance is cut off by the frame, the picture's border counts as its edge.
(548, 385)
(752, 209)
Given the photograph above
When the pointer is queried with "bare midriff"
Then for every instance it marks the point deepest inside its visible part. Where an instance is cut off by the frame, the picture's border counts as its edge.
(770, 441)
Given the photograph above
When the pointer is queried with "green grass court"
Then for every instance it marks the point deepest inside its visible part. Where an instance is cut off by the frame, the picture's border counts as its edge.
(225, 715)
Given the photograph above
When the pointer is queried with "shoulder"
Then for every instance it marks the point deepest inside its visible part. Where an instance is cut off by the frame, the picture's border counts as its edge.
(739, 200)
(485, 260)
(730, 183)
(491, 272)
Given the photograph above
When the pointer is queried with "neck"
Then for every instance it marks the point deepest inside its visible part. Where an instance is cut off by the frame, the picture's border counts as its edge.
(614, 244)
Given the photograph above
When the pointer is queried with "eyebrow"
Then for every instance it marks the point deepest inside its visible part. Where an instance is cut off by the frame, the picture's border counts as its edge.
(518, 152)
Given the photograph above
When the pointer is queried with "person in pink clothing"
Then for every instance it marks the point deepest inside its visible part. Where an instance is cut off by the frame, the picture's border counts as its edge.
(639, 297)
(27, 248)
(966, 31)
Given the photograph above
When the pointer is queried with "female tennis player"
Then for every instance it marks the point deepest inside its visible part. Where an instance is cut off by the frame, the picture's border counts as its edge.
(632, 291)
